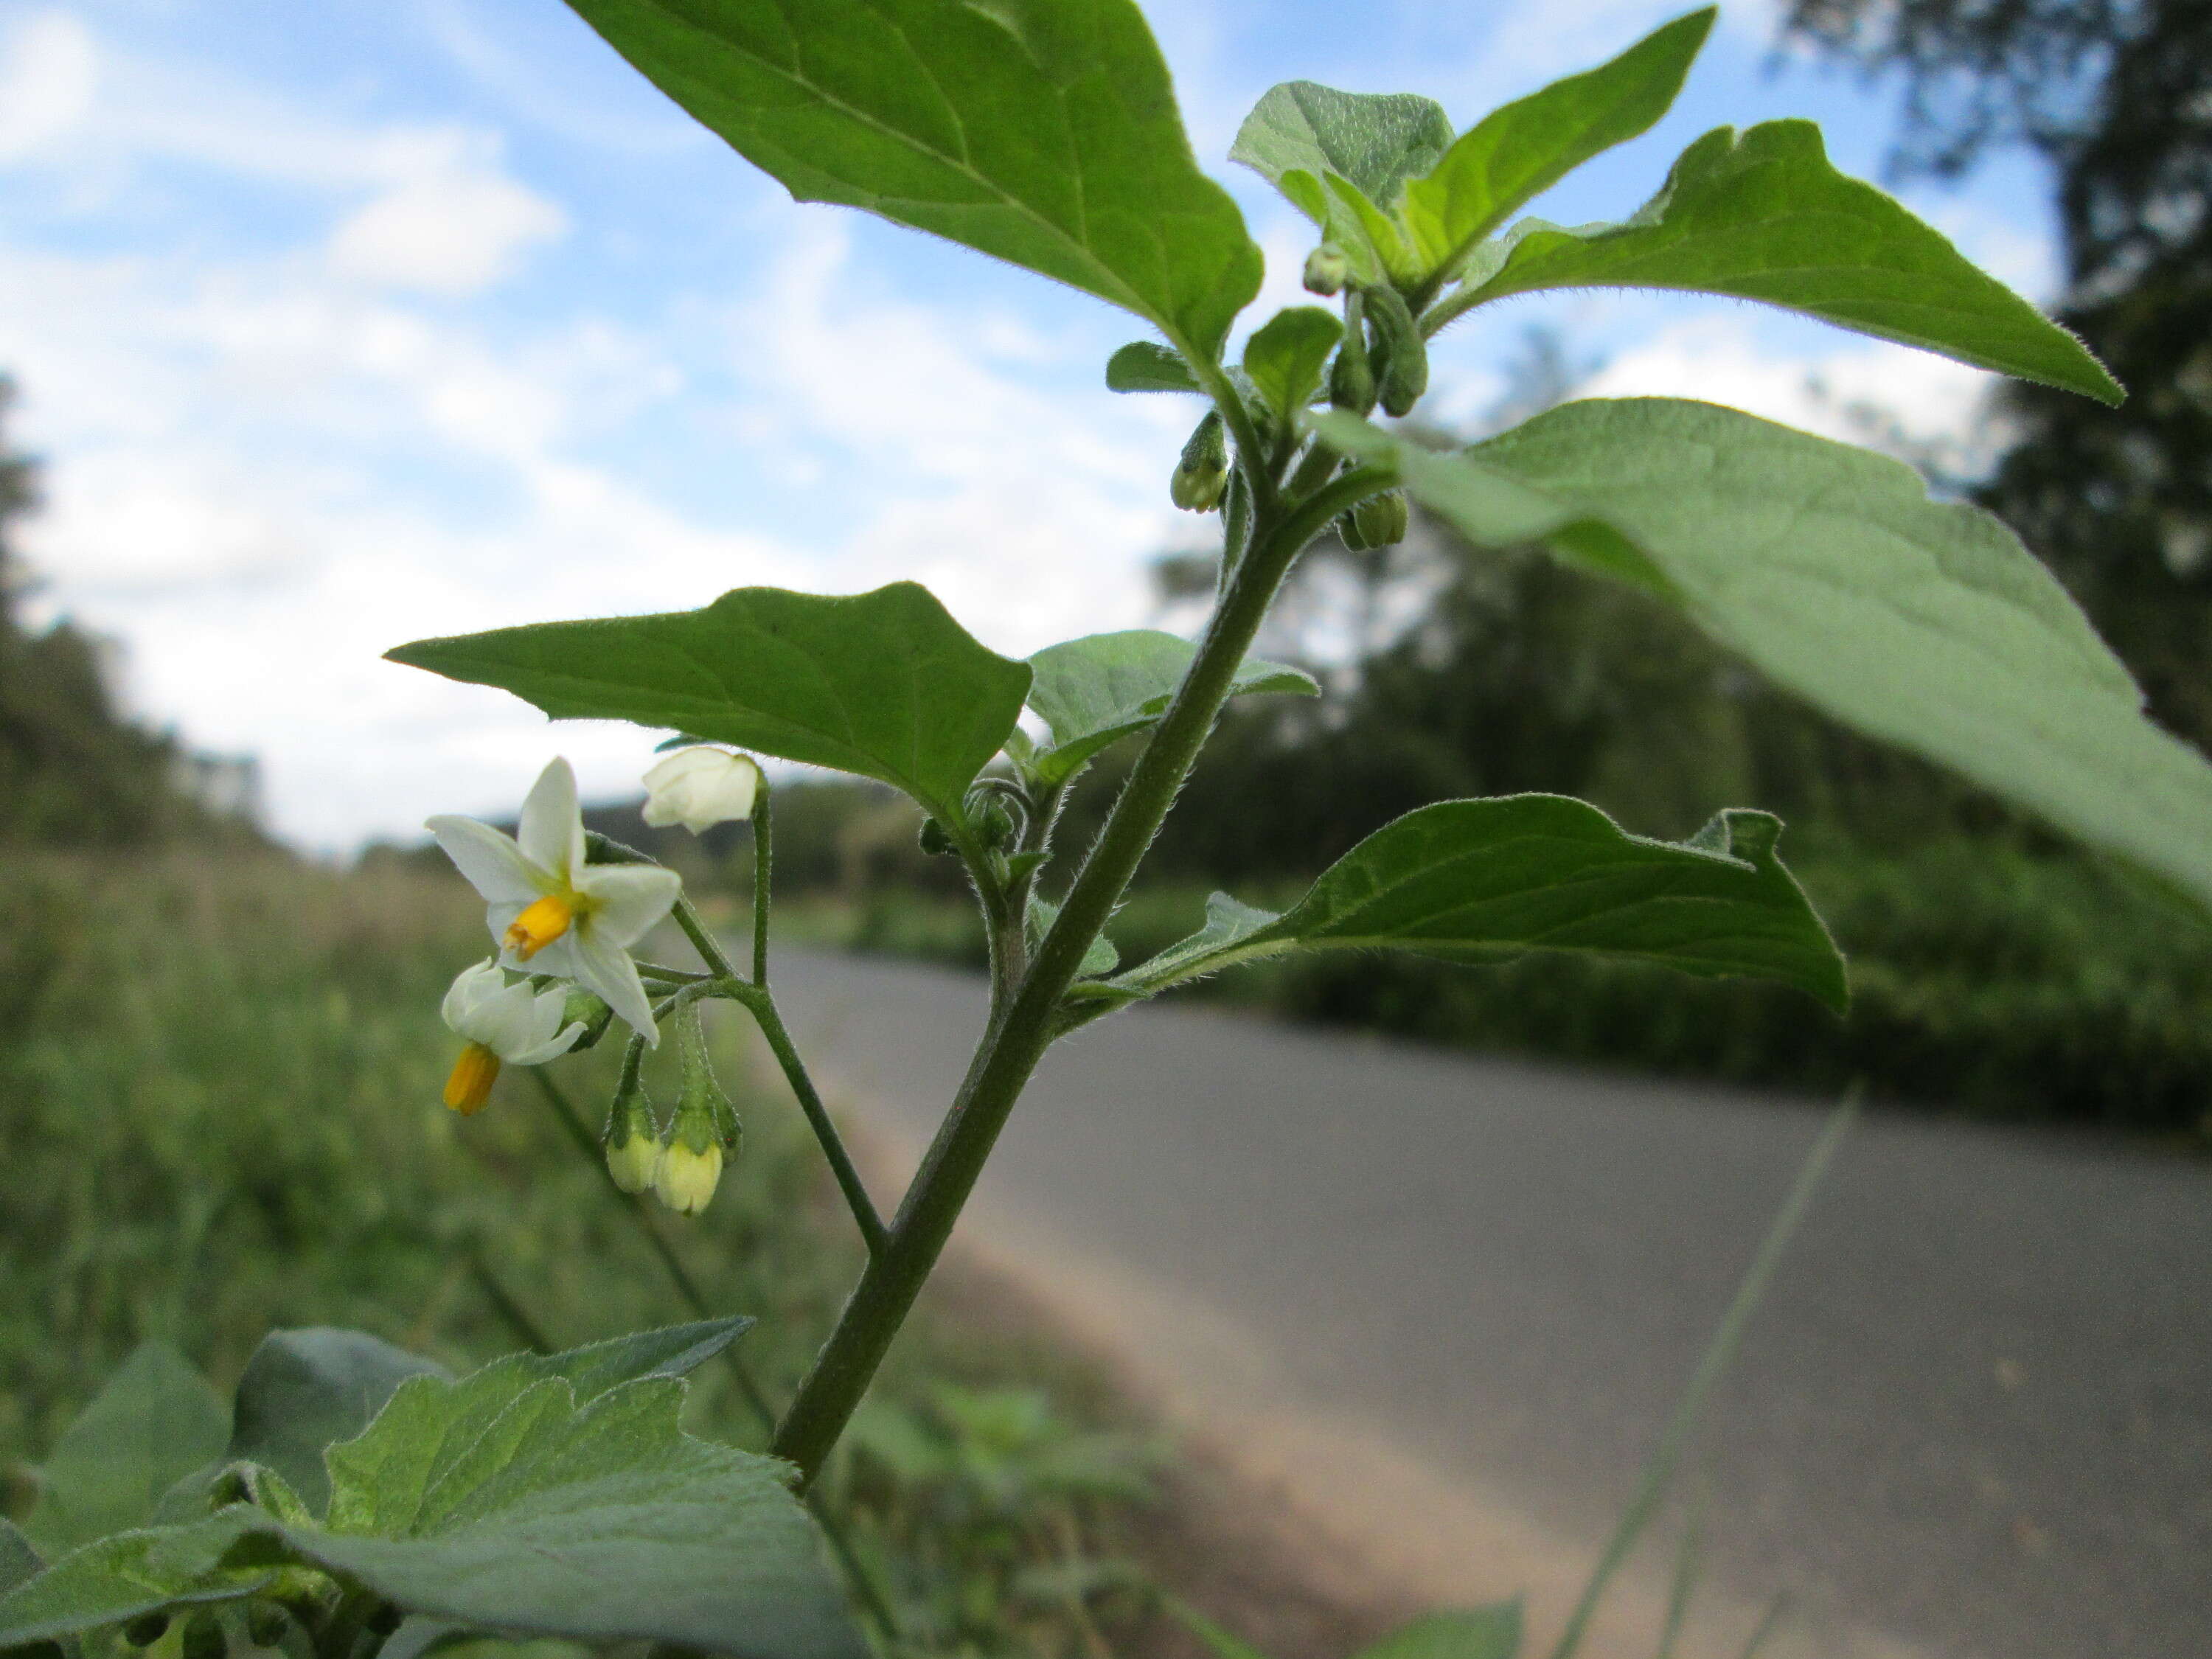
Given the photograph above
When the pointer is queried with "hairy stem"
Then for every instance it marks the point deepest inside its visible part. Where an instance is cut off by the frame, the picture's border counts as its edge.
(1011, 1049)
(763, 867)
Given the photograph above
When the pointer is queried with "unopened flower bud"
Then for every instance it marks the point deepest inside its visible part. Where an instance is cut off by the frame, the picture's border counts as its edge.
(934, 839)
(701, 787)
(1403, 375)
(1378, 521)
(203, 1636)
(1326, 269)
(691, 1157)
(265, 1623)
(632, 1141)
(1351, 377)
(146, 1629)
(1202, 474)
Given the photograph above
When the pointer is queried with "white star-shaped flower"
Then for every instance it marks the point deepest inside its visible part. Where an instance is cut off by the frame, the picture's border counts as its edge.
(502, 1022)
(547, 908)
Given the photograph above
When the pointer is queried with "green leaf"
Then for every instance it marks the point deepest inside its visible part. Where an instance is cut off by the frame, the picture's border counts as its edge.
(1923, 624)
(1762, 215)
(306, 1390)
(1491, 1633)
(156, 1422)
(18, 1560)
(1285, 357)
(1524, 149)
(1228, 924)
(1374, 143)
(1097, 689)
(885, 685)
(1148, 365)
(1482, 881)
(1044, 132)
(120, 1577)
(500, 1502)
(673, 1351)
(1099, 957)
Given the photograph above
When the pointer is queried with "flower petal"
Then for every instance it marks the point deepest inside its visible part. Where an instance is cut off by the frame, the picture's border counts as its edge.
(607, 969)
(467, 990)
(628, 900)
(552, 829)
(500, 917)
(552, 1048)
(493, 863)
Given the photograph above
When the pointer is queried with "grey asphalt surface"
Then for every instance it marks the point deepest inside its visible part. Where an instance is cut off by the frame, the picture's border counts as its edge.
(1975, 1412)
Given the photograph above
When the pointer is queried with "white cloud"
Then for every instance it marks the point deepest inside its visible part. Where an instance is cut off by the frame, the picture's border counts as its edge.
(49, 71)
(1931, 400)
(446, 232)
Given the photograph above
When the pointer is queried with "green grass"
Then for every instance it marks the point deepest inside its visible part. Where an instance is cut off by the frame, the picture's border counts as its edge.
(219, 1113)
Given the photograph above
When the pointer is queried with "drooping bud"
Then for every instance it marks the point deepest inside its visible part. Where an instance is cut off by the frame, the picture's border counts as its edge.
(1378, 521)
(1351, 377)
(935, 841)
(1203, 473)
(691, 1157)
(1326, 269)
(632, 1141)
(1403, 375)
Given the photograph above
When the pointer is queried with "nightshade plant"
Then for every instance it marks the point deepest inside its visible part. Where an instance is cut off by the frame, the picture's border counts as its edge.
(355, 1499)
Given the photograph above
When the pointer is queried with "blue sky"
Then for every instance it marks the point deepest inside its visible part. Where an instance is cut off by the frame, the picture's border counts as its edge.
(343, 324)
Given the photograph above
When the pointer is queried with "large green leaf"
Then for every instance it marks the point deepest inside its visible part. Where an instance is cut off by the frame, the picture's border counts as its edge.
(502, 1502)
(306, 1390)
(885, 683)
(1373, 142)
(156, 1422)
(1099, 688)
(1924, 623)
(1762, 215)
(1483, 881)
(1524, 149)
(1491, 1633)
(523, 1511)
(1041, 131)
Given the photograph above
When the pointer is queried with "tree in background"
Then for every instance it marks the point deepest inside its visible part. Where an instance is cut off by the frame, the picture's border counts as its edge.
(73, 768)
(2117, 96)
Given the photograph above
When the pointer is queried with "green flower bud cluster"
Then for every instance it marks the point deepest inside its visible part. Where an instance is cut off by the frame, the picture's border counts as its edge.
(1383, 357)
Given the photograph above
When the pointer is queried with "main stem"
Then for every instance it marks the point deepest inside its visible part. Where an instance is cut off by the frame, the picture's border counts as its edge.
(894, 1277)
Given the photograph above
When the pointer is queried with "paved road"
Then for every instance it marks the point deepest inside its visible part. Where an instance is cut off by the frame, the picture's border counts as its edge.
(1976, 1414)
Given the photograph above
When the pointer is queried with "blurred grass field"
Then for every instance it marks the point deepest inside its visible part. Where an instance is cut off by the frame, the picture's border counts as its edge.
(220, 1112)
